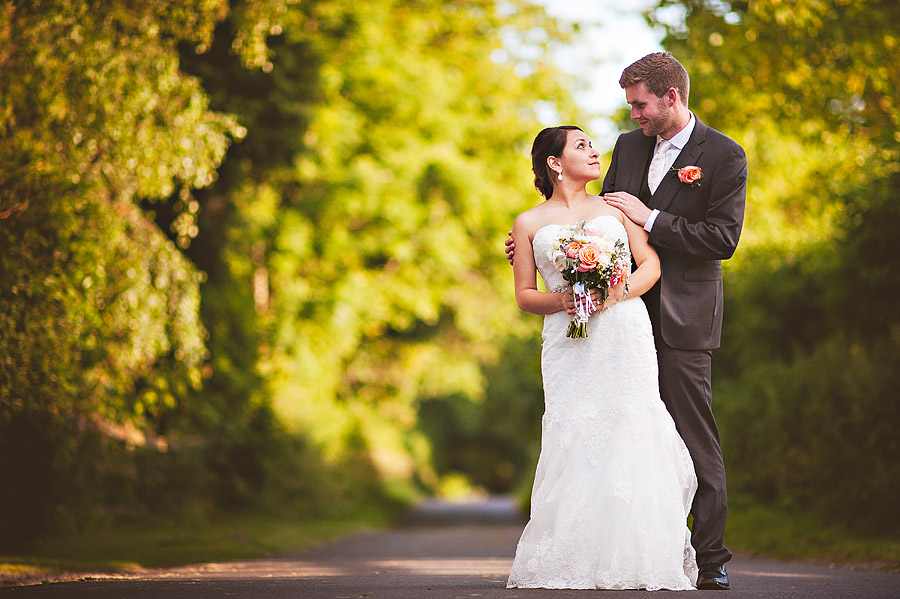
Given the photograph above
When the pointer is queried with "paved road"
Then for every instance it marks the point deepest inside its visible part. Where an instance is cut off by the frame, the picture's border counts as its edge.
(441, 552)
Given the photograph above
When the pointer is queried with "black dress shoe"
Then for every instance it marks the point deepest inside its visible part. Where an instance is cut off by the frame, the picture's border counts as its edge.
(712, 577)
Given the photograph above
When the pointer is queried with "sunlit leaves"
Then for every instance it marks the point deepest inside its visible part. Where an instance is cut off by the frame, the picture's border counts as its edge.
(96, 116)
(97, 96)
(351, 239)
(804, 81)
(388, 281)
(98, 300)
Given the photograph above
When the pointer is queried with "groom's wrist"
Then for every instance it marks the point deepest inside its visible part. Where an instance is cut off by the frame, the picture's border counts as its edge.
(651, 219)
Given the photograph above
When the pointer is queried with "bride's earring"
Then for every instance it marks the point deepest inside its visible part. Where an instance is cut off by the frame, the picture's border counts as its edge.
(559, 176)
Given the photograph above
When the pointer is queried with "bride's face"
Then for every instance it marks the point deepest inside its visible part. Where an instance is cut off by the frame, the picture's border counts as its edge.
(580, 160)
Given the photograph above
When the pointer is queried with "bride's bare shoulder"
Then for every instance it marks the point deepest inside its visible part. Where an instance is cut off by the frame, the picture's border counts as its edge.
(604, 208)
(531, 220)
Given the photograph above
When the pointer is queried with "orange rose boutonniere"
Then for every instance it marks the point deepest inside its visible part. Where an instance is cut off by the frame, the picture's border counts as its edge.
(689, 174)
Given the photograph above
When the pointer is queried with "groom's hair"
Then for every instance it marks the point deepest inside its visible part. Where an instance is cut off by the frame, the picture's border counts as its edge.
(659, 71)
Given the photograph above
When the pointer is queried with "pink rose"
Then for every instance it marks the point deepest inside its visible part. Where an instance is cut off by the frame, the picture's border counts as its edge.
(588, 257)
(572, 249)
(690, 174)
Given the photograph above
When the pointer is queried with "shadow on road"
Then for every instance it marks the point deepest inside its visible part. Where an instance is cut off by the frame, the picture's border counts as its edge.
(439, 550)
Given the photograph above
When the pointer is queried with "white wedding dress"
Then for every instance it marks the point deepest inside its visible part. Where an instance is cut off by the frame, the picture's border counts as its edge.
(614, 481)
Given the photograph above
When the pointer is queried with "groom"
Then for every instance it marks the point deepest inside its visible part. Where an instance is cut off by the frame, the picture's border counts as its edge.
(693, 226)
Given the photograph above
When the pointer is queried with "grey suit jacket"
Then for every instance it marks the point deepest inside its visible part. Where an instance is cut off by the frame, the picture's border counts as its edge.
(697, 228)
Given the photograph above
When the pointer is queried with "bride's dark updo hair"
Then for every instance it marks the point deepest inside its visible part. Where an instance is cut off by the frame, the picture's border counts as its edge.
(549, 142)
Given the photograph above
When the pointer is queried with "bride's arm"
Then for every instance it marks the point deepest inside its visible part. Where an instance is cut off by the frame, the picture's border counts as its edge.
(528, 297)
(645, 257)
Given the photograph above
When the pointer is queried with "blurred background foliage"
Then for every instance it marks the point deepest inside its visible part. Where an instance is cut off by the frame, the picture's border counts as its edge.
(243, 241)
(250, 253)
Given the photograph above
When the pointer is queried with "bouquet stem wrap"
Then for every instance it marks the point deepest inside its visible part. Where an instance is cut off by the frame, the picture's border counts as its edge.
(584, 307)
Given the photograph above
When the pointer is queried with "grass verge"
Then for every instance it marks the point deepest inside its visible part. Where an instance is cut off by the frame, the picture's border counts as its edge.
(135, 548)
(783, 533)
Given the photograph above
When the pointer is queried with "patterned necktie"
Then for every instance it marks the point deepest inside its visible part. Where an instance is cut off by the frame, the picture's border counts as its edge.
(658, 165)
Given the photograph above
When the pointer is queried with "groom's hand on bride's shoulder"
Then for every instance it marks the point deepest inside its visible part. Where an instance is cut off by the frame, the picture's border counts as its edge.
(630, 205)
(510, 248)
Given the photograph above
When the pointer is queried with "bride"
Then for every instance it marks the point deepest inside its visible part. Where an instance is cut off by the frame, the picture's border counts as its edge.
(614, 481)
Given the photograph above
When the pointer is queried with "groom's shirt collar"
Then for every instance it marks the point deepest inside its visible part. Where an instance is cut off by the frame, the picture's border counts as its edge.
(681, 138)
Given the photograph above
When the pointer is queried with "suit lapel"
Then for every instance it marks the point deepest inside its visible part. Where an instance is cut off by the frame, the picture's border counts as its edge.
(670, 184)
(637, 183)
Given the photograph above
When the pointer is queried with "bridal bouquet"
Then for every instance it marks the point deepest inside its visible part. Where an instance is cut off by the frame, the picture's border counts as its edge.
(588, 261)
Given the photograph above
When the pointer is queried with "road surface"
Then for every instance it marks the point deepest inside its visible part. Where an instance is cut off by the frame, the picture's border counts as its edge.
(442, 551)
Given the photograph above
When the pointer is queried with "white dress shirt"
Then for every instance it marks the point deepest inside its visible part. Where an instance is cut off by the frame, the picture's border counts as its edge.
(678, 141)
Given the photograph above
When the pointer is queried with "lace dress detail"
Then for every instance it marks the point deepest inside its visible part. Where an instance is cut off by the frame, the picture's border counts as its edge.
(614, 482)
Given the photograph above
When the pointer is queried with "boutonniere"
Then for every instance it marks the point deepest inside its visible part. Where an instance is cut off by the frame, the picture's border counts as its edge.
(688, 174)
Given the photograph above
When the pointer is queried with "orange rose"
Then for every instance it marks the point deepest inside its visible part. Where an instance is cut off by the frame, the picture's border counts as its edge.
(572, 249)
(588, 257)
(690, 174)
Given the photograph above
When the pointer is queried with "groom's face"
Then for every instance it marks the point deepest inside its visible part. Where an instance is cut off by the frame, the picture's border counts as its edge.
(652, 113)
